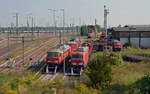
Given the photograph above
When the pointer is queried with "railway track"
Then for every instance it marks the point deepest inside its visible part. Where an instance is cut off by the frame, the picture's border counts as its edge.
(49, 77)
(136, 57)
(13, 47)
(35, 51)
(38, 54)
(18, 47)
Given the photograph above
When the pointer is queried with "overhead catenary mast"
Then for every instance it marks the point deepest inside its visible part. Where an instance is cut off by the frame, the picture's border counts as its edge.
(17, 22)
(54, 20)
(106, 12)
(63, 11)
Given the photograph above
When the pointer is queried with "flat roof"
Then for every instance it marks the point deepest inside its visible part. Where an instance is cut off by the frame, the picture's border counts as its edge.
(132, 28)
(59, 48)
(81, 49)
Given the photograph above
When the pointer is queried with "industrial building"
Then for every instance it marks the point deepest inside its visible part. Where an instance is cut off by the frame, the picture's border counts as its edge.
(135, 35)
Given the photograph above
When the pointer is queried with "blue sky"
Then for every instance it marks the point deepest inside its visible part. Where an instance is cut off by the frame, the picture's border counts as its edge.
(121, 11)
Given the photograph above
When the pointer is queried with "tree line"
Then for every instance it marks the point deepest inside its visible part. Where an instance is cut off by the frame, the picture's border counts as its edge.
(85, 29)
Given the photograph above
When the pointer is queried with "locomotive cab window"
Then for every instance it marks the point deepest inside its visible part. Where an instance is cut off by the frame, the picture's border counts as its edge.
(49, 55)
(77, 56)
(56, 55)
(116, 43)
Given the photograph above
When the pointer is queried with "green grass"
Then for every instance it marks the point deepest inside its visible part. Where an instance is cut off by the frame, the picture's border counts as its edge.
(24, 83)
(125, 75)
(130, 50)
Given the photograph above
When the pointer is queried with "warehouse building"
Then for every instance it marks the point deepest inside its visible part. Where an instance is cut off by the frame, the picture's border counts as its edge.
(135, 35)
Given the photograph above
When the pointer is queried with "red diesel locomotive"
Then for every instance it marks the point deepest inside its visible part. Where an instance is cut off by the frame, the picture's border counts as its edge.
(57, 54)
(116, 45)
(74, 44)
(79, 57)
(89, 45)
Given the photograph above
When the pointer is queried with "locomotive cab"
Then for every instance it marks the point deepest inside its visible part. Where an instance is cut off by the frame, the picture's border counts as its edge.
(79, 59)
(52, 57)
(55, 57)
(74, 43)
(116, 45)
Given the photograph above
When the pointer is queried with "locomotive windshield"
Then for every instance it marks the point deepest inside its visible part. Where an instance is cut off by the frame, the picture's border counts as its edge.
(49, 55)
(116, 43)
(77, 56)
(52, 55)
(55, 54)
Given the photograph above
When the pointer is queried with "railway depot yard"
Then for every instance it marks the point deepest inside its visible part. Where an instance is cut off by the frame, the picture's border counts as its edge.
(114, 72)
(74, 47)
(124, 76)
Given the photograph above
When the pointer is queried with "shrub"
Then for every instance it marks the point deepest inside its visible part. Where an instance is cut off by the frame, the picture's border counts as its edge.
(114, 58)
(99, 68)
(99, 72)
(83, 89)
(141, 86)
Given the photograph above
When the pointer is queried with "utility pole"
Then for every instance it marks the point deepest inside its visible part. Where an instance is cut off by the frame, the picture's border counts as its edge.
(63, 10)
(106, 12)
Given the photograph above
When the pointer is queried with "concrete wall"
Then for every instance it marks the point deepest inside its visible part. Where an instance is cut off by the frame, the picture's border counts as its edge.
(124, 40)
(145, 42)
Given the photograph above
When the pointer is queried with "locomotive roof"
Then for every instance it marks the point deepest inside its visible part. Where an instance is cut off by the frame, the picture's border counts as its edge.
(71, 42)
(115, 40)
(59, 48)
(75, 39)
(81, 49)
